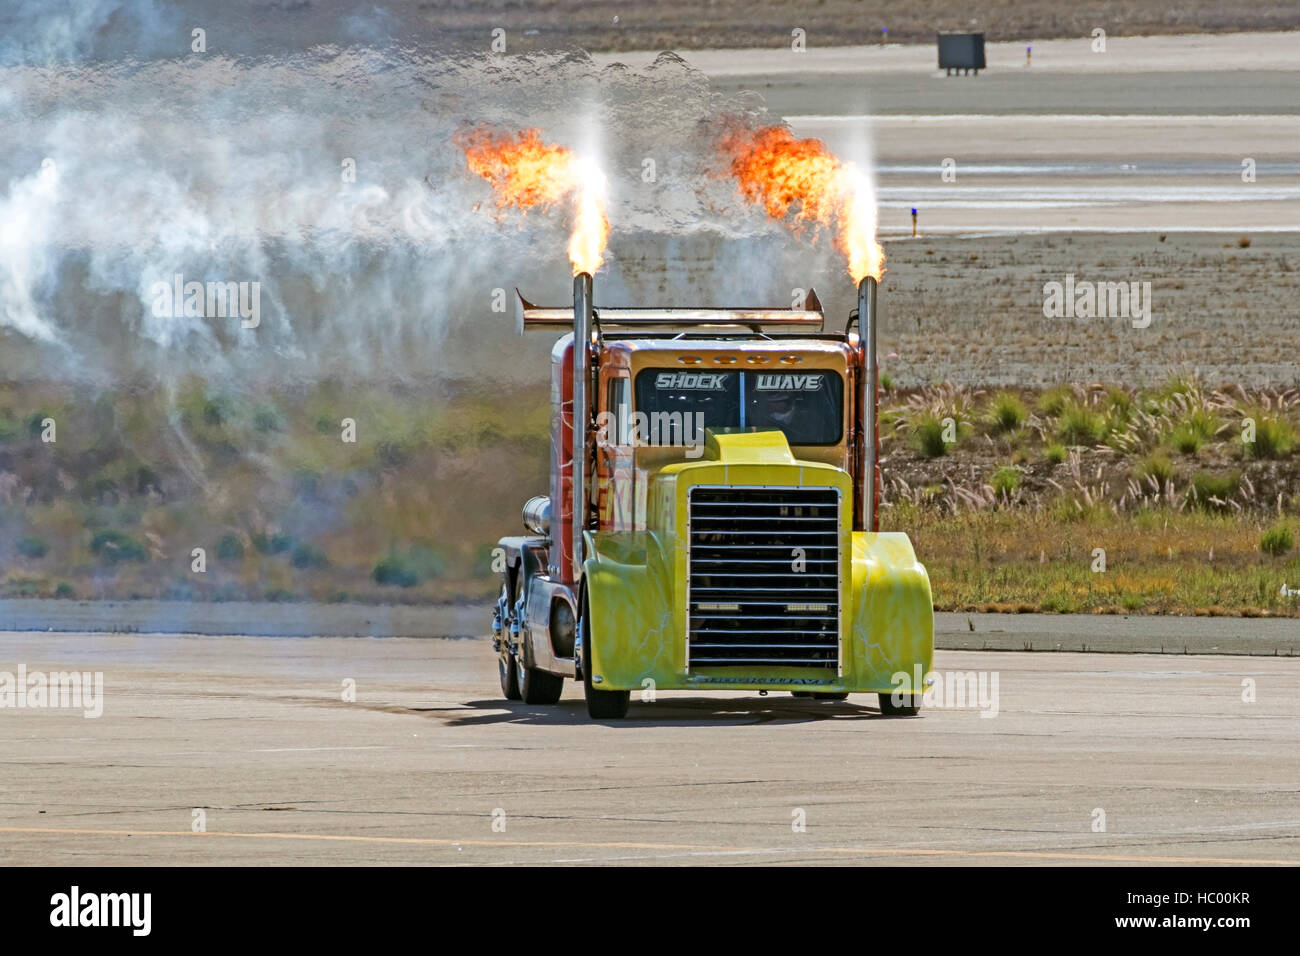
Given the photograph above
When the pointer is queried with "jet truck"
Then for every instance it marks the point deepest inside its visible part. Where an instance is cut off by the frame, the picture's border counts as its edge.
(712, 520)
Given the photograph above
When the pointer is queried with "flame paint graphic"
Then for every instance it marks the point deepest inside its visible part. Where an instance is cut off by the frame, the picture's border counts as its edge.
(803, 177)
(527, 173)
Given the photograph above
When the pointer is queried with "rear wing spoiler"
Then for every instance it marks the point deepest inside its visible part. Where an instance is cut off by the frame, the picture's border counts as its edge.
(810, 317)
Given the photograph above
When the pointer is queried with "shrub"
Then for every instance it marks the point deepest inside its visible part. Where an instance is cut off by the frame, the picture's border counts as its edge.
(36, 423)
(927, 437)
(32, 547)
(1132, 601)
(1274, 438)
(1213, 491)
(886, 383)
(218, 410)
(1277, 541)
(307, 557)
(395, 571)
(65, 590)
(1157, 467)
(1185, 440)
(392, 454)
(1055, 453)
(267, 419)
(1006, 480)
(1195, 428)
(272, 544)
(230, 548)
(1054, 400)
(147, 480)
(1080, 425)
(116, 547)
(1007, 411)
(1121, 401)
(1203, 423)
(1188, 386)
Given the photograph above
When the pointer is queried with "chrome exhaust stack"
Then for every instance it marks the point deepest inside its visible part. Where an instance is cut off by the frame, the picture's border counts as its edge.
(867, 383)
(582, 323)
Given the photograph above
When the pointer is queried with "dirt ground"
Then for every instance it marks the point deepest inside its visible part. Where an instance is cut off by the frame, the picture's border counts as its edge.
(971, 312)
(261, 26)
(669, 24)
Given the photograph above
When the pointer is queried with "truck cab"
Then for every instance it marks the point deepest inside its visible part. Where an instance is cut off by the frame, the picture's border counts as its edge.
(719, 531)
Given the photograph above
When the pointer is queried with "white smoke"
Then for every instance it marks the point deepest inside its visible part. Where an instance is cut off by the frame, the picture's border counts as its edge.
(26, 213)
(124, 172)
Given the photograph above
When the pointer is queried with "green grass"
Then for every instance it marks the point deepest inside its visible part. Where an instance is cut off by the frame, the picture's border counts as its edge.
(1054, 401)
(287, 511)
(1007, 412)
(1120, 402)
(1276, 541)
(396, 571)
(30, 547)
(1274, 438)
(1079, 424)
(1155, 467)
(1194, 429)
(115, 547)
(927, 437)
(1158, 562)
(230, 548)
(1185, 440)
(1005, 481)
(1213, 491)
(306, 557)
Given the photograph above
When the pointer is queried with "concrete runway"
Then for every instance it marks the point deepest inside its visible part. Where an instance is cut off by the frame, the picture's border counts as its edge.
(1148, 136)
(254, 732)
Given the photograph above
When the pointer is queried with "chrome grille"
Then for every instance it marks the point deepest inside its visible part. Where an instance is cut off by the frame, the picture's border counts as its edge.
(747, 603)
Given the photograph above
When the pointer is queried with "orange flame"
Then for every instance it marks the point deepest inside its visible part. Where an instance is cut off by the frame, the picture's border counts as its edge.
(527, 173)
(801, 175)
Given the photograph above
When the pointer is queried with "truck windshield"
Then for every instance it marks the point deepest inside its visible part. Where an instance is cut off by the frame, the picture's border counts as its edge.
(804, 405)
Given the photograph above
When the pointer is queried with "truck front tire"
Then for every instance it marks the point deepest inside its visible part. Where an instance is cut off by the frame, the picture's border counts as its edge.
(910, 707)
(601, 704)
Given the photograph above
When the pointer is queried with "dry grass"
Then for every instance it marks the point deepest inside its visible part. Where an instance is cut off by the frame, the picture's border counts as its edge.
(1156, 562)
(286, 510)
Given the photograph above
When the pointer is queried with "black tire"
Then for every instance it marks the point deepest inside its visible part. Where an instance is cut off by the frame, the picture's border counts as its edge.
(910, 707)
(830, 695)
(509, 672)
(539, 687)
(601, 704)
(800, 693)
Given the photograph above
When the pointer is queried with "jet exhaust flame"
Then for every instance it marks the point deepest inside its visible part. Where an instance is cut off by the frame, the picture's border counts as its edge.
(527, 173)
(804, 178)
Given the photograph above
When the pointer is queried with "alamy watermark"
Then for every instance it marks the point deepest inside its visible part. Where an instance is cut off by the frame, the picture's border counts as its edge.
(1084, 299)
(958, 690)
(129, 910)
(179, 299)
(36, 690)
(626, 427)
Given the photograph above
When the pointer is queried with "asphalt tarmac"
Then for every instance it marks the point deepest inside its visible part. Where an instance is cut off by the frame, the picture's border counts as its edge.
(1187, 759)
